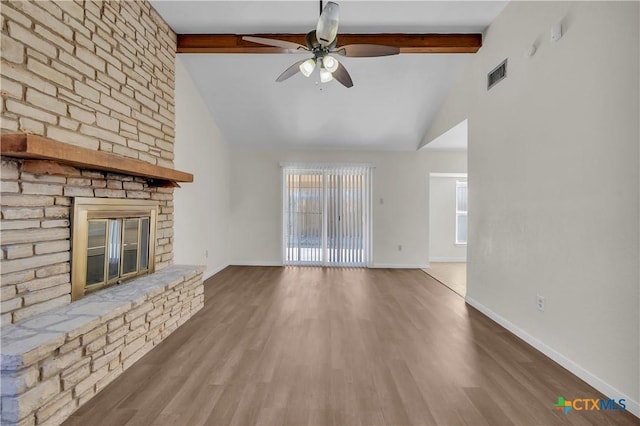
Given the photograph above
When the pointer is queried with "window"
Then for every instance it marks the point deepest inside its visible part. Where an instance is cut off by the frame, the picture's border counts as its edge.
(461, 212)
(326, 215)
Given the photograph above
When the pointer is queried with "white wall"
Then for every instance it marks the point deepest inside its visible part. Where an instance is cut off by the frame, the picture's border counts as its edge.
(442, 221)
(201, 207)
(400, 179)
(554, 194)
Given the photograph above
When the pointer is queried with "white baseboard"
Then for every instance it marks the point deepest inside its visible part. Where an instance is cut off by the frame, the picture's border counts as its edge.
(609, 391)
(400, 266)
(375, 265)
(447, 259)
(256, 263)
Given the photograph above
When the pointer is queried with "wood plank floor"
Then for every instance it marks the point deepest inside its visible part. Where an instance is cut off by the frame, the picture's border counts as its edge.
(297, 346)
(451, 274)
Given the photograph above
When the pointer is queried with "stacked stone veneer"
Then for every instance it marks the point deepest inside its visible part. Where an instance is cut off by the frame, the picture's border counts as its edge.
(96, 74)
(54, 362)
(99, 75)
(35, 269)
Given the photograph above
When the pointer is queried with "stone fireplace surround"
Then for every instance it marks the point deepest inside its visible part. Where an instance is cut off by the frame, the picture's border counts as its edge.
(56, 355)
(99, 75)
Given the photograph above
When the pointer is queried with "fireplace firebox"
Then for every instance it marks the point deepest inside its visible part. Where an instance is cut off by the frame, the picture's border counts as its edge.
(113, 241)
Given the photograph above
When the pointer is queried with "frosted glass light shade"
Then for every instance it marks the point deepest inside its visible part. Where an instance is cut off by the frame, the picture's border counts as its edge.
(330, 63)
(325, 76)
(307, 67)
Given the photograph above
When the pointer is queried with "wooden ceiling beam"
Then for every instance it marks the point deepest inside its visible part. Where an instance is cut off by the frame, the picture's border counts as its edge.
(408, 43)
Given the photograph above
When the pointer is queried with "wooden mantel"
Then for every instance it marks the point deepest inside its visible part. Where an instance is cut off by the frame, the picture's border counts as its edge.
(26, 146)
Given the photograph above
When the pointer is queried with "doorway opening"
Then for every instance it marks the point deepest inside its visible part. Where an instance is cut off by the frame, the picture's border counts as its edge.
(448, 209)
(448, 230)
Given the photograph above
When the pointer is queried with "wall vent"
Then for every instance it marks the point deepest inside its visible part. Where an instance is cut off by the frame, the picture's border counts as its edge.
(498, 74)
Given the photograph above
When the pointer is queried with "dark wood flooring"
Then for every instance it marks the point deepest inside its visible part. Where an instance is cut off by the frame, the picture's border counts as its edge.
(297, 346)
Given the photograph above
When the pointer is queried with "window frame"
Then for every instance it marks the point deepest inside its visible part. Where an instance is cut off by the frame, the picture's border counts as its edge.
(326, 171)
(459, 213)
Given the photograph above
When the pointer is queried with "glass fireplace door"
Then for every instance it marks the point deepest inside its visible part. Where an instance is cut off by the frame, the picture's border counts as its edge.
(113, 240)
(116, 249)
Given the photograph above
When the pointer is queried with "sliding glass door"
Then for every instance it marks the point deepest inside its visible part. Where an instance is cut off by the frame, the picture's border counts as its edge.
(303, 221)
(326, 215)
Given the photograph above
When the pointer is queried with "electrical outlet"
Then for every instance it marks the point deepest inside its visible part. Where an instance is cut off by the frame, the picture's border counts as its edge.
(206, 254)
(399, 247)
(540, 303)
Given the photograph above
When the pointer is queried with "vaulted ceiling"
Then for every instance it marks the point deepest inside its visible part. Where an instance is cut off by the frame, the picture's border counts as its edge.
(393, 99)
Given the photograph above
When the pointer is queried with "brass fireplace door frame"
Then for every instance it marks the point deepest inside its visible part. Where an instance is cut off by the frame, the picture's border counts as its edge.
(85, 209)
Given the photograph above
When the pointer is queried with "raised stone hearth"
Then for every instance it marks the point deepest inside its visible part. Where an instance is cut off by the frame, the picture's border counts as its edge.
(54, 362)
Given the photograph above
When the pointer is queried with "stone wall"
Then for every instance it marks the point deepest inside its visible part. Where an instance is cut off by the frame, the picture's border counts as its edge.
(55, 362)
(91, 73)
(35, 234)
(95, 74)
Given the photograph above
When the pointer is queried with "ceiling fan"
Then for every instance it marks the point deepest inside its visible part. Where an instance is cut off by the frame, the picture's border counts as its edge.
(322, 42)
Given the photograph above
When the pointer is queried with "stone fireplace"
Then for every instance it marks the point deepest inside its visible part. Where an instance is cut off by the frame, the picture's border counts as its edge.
(44, 259)
(97, 76)
(88, 95)
(76, 329)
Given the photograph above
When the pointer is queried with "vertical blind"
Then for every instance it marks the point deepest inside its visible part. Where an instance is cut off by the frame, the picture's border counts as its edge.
(326, 215)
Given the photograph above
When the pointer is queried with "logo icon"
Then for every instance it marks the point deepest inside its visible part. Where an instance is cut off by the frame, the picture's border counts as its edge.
(589, 404)
(563, 405)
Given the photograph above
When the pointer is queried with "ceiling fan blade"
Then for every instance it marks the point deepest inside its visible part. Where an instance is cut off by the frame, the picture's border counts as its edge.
(343, 76)
(290, 72)
(366, 50)
(275, 43)
(327, 28)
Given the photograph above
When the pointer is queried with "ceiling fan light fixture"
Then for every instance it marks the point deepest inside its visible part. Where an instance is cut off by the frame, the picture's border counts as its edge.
(325, 76)
(322, 42)
(307, 67)
(330, 63)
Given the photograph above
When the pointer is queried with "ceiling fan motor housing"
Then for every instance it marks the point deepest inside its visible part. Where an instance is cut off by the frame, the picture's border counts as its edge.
(314, 45)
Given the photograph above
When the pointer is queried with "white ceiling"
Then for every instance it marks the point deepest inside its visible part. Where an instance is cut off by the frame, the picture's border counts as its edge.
(393, 99)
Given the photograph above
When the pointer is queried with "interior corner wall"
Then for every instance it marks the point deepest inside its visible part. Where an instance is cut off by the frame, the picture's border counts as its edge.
(554, 185)
(400, 179)
(256, 204)
(201, 207)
